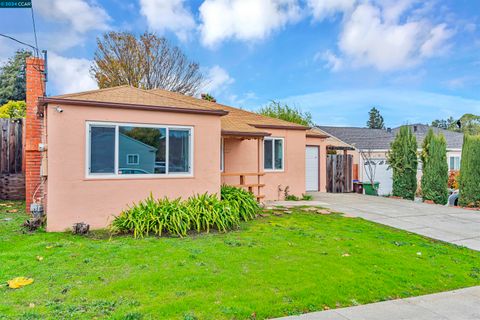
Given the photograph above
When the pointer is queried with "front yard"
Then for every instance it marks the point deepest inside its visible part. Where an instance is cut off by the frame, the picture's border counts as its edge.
(273, 266)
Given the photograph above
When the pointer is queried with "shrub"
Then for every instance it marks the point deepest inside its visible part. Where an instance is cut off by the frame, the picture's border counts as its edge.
(207, 211)
(291, 197)
(152, 216)
(13, 110)
(240, 201)
(307, 197)
(453, 177)
(176, 217)
(435, 168)
(469, 181)
(402, 158)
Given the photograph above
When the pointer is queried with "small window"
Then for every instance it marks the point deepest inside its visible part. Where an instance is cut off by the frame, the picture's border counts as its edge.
(454, 163)
(273, 154)
(133, 159)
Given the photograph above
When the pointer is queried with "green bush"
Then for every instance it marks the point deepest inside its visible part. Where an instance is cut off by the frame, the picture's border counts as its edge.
(152, 216)
(240, 201)
(402, 158)
(206, 212)
(469, 181)
(435, 168)
(177, 217)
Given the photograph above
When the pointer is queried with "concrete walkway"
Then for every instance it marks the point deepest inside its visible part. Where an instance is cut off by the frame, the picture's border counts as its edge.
(463, 304)
(454, 225)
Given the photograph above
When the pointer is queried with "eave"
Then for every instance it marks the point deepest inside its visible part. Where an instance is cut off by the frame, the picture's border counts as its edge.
(43, 101)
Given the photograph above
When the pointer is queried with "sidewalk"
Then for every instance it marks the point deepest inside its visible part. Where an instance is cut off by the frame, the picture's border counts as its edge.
(462, 304)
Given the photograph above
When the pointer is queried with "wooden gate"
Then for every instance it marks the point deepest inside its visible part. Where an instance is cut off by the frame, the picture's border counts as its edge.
(339, 173)
(12, 180)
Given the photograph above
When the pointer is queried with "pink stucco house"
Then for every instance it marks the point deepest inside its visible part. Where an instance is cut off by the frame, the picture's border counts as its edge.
(90, 154)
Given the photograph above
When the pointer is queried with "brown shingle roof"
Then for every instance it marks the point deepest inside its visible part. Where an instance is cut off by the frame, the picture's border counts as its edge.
(129, 96)
(234, 121)
(237, 120)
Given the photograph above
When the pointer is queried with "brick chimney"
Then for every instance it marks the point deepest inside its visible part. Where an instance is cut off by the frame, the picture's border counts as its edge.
(34, 125)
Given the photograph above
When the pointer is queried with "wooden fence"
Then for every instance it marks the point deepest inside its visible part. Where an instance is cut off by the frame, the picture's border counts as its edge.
(12, 179)
(339, 173)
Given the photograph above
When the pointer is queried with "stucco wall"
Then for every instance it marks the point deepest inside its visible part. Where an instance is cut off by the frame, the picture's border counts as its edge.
(74, 198)
(242, 156)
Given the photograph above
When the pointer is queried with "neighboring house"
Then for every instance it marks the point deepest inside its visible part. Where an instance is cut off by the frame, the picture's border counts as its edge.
(375, 144)
(91, 154)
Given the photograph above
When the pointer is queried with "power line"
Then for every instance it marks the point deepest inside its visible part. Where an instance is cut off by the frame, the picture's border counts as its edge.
(35, 31)
(21, 42)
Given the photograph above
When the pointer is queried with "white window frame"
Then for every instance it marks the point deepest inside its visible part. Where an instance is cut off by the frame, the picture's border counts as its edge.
(137, 157)
(116, 175)
(273, 154)
(222, 156)
(449, 162)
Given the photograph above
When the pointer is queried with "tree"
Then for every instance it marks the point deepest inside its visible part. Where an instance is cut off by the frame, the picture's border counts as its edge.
(448, 124)
(208, 97)
(468, 123)
(435, 168)
(402, 158)
(375, 119)
(13, 78)
(285, 112)
(13, 110)
(147, 62)
(469, 181)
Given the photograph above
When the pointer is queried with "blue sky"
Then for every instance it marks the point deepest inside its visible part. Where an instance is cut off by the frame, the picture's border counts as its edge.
(414, 60)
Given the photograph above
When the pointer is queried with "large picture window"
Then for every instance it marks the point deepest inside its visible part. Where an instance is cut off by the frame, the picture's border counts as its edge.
(273, 154)
(133, 149)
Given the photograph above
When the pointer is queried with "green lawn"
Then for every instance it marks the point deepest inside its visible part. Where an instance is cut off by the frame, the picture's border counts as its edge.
(271, 267)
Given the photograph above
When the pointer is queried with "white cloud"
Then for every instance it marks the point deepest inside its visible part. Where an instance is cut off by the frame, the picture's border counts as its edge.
(82, 15)
(217, 79)
(435, 43)
(325, 8)
(244, 19)
(374, 35)
(332, 61)
(171, 15)
(68, 75)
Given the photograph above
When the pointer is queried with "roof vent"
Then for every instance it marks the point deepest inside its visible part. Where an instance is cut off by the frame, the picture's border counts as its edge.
(389, 130)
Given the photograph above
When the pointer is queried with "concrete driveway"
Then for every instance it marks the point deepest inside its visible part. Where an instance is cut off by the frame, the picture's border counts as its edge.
(458, 226)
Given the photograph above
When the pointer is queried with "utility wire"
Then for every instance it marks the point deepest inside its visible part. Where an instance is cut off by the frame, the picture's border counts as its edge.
(21, 42)
(35, 32)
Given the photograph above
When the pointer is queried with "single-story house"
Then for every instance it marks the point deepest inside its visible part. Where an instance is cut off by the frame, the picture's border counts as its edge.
(91, 154)
(375, 144)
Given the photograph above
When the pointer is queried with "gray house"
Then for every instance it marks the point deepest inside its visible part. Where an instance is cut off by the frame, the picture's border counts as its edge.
(135, 157)
(375, 144)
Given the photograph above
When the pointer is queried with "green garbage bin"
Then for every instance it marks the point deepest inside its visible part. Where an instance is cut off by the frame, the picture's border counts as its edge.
(367, 186)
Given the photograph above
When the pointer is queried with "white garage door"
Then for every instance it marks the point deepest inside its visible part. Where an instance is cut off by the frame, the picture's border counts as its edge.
(383, 175)
(311, 169)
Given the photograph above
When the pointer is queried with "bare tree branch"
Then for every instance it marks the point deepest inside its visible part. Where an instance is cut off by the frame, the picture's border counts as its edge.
(147, 62)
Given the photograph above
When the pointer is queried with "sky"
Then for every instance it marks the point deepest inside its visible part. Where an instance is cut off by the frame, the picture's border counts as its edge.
(415, 61)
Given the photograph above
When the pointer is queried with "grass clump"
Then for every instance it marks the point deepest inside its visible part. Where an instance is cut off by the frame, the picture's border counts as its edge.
(177, 217)
(240, 201)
